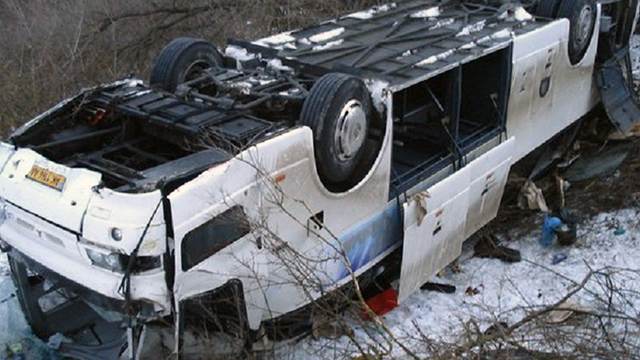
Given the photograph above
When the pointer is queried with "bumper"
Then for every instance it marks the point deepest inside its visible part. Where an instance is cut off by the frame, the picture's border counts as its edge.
(59, 252)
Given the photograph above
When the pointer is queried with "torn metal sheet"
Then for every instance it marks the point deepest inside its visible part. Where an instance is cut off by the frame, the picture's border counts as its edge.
(554, 150)
(616, 90)
(595, 165)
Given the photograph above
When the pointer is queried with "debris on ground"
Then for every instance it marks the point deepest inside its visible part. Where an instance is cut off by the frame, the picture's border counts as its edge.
(563, 312)
(455, 267)
(556, 151)
(568, 234)
(328, 327)
(26, 349)
(11, 296)
(15, 351)
(558, 258)
(598, 164)
(472, 291)
(531, 197)
(498, 328)
(619, 135)
(619, 231)
(488, 247)
(56, 340)
(438, 287)
(382, 303)
(550, 226)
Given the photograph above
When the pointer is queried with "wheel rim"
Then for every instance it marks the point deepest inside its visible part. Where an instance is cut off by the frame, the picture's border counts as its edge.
(583, 33)
(351, 130)
(194, 70)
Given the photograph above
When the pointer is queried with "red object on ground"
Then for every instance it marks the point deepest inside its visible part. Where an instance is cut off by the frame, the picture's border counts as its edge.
(382, 303)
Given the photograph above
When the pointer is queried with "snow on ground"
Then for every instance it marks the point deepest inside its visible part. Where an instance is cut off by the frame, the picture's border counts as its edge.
(14, 330)
(13, 327)
(503, 289)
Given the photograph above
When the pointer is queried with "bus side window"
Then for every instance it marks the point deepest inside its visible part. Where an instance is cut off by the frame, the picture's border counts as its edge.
(212, 236)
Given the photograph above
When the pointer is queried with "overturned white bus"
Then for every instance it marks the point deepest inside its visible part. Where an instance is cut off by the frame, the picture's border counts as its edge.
(251, 182)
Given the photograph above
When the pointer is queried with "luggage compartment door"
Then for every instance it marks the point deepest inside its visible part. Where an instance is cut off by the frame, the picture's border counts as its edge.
(434, 223)
(488, 174)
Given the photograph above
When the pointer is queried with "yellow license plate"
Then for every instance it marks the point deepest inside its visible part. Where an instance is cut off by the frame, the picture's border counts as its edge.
(47, 177)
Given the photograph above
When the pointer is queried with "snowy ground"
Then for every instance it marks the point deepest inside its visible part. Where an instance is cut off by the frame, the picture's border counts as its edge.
(13, 327)
(14, 330)
(504, 289)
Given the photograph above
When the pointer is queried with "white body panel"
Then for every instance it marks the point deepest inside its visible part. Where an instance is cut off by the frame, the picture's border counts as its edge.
(474, 192)
(60, 251)
(432, 236)
(131, 213)
(55, 227)
(488, 175)
(533, 119)
(437, 221)
(66, 207)
(247, 180)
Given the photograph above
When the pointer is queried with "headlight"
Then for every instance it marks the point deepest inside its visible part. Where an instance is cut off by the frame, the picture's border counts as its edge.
(112, 261)
(118, 262)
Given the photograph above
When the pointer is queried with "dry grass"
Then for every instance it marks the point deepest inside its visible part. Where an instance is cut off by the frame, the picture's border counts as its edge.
(51, 49)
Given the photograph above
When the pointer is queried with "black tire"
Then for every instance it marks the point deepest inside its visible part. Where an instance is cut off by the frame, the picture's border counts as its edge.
(582, 20)
(547, 8)
(28, 303)
(323, 111)
(181, 60)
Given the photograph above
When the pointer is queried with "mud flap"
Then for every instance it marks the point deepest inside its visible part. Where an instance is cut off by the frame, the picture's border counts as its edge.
(614, 81)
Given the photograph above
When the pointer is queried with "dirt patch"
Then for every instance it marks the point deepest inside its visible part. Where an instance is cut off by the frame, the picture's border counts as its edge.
(618, 189)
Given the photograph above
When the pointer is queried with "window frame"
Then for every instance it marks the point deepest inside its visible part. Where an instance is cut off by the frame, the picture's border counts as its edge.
(204, 241)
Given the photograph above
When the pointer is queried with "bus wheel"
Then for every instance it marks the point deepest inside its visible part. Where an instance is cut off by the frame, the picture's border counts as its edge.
(547, 8)
(338, 110)
(582, 20)
(183, 59)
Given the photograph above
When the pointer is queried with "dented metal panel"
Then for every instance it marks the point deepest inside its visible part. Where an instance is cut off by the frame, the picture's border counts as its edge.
(616, 90)
(548, 93)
